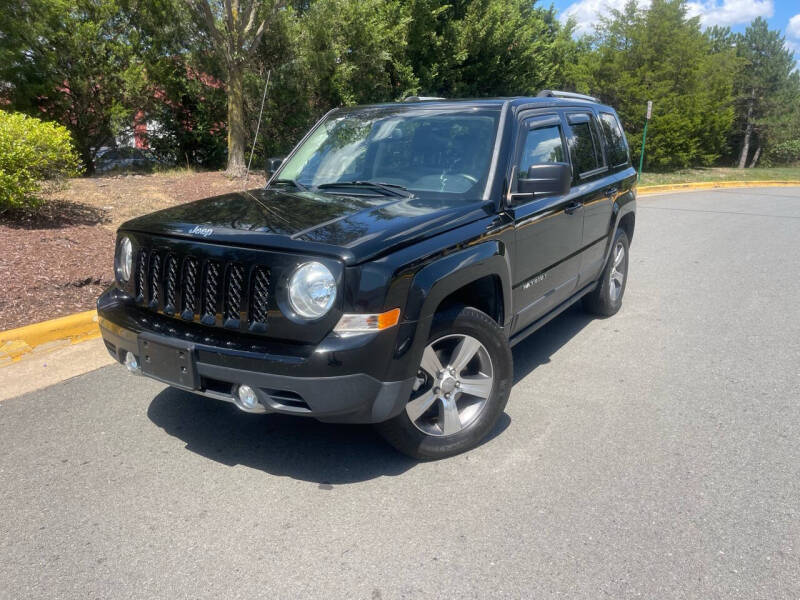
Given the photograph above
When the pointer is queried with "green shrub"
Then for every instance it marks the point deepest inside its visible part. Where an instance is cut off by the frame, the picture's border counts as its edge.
(785, 153)
(32, 152)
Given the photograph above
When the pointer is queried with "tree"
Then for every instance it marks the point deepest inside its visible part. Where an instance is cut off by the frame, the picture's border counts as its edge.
(463, 48)
(69, 62)
(354, 51)
(660, 54)
(763, 84)
(234, 30)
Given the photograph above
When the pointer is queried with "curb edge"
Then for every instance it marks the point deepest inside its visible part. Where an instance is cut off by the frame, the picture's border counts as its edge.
(710, 185)
(16, 343)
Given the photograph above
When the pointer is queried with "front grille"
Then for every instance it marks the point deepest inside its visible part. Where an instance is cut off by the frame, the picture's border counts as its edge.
(141, 275)
(258, 305)
(171, 299)
(233, 292)
(211, 291)
(190, 267)
(155, 280)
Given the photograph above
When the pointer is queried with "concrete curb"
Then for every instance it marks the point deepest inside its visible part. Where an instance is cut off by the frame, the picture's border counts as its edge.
(40, 337)
(710, 185)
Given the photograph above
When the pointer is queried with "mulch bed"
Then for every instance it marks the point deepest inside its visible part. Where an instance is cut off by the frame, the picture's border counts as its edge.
(49, 273)
(58, 261)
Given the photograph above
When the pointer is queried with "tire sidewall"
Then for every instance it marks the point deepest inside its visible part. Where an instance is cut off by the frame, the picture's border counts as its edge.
(620, 236)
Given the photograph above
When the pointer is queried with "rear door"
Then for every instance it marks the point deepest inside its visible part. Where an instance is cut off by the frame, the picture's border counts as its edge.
(548, 229)
(595, 187)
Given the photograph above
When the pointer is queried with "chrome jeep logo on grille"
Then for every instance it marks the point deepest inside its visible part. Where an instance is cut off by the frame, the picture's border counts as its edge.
(204, 231)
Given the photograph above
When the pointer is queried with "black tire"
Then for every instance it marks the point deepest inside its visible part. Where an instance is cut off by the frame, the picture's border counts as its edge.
(606, 299)
(449, 327)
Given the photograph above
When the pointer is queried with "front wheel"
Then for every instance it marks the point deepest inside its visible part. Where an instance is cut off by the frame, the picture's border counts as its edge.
(462, 387)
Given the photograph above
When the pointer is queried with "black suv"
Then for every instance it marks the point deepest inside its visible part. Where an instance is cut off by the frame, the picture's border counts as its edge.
(388, 266)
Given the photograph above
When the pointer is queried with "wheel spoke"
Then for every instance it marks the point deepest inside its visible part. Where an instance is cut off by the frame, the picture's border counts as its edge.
(619, 255)
(436, 411)
(417, 407)
(430, 362)
(478, 385)
(616, 277)
(466, 349)
(450, 421)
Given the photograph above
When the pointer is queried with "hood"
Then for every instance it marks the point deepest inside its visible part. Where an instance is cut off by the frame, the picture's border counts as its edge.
(352, 229)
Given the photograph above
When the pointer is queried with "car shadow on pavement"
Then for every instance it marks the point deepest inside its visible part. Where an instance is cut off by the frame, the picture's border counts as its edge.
(324, 453)
(537, 349)
(283, 445)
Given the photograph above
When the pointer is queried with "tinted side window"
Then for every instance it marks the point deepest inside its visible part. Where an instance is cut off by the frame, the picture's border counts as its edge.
(542, 145)
(585, 151)
(615, 140)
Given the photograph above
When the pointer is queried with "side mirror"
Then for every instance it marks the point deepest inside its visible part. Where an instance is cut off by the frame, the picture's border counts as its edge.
(546, 179)
(273, 164)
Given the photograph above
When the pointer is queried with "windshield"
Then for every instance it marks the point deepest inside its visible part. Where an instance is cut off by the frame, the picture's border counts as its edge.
(427, 151)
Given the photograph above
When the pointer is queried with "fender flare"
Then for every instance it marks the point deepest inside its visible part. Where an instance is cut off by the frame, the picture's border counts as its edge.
(624, 205)
(440, 278)
(432, 283)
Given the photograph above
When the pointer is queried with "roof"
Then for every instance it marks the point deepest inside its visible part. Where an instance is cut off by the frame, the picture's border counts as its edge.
(515, 103)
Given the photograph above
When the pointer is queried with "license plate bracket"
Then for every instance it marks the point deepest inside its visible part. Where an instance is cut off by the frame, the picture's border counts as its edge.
(168, 360)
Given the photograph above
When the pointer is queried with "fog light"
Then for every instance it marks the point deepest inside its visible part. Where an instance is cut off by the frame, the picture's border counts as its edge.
(247, 399)
(131, 363)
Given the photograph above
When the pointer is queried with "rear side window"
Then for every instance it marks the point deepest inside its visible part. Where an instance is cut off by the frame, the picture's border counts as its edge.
(584, 145)
(542, 145)
(615, 140)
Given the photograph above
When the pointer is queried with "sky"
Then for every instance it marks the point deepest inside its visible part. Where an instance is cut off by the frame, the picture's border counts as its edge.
(780, 14)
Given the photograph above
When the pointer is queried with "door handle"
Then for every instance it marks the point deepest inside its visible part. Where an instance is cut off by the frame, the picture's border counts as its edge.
(611, 192)
(572, 207)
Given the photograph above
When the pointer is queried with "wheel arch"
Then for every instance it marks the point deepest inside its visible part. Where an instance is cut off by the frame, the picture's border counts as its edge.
(623, 216)
(627, 223)
(481, 272)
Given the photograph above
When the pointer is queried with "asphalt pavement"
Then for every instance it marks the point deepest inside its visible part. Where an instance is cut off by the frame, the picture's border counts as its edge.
(655, 454)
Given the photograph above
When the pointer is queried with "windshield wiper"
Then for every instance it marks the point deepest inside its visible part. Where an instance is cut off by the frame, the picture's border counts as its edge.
(390, 189)
(296, 184)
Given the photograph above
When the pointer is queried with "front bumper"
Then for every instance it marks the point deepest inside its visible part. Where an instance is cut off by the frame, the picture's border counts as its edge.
(338, 380)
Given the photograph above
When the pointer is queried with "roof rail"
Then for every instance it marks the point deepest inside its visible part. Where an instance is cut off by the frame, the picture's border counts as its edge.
(560, 94)
(421, 98)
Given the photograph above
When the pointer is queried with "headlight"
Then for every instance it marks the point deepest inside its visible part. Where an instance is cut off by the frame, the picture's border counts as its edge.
(124, 259)
(312, 290)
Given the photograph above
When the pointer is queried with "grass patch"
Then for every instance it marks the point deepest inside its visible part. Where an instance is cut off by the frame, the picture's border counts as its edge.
(721, 174)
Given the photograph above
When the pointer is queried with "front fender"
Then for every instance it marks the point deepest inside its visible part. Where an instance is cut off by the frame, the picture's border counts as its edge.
(436, 281)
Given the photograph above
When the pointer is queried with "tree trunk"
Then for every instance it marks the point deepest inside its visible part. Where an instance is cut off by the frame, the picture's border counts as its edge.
(755, 157)
(85, 152)
(748, 131)
(236, 130)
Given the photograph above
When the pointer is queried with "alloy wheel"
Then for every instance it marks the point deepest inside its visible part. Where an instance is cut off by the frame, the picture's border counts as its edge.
(454, 383)
(617, 275)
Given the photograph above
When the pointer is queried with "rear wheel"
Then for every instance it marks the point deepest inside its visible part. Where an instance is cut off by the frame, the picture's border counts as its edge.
(606, 299)
(462, 387)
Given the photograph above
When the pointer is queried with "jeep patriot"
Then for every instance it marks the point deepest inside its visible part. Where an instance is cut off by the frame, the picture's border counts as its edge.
(388, 266)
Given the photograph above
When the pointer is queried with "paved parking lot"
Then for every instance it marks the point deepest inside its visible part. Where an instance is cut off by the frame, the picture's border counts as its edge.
(655, 454)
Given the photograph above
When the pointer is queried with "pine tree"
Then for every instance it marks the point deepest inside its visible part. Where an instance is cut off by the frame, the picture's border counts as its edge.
(660, 54)
(762, 83)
